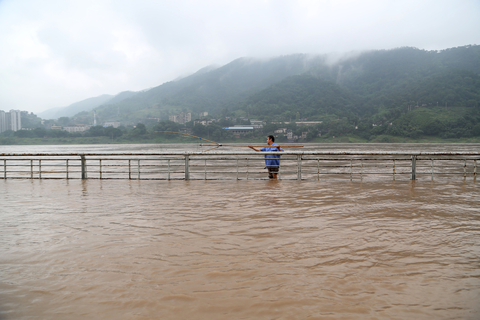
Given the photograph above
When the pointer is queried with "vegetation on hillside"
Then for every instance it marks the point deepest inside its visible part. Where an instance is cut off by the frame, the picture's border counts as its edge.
(385, 95)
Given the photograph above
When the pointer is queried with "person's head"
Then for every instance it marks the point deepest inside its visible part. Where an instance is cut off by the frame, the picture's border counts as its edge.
(270, 139)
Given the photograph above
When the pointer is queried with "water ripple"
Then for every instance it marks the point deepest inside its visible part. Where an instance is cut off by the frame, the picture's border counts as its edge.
(247, 249)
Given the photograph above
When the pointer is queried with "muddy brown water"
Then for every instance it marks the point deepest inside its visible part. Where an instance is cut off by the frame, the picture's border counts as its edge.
(120, 249)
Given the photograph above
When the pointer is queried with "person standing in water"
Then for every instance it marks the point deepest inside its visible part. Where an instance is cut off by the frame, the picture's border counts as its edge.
(272, 162)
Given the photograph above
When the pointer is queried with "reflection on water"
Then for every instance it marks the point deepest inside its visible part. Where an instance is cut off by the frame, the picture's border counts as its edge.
(239, 250)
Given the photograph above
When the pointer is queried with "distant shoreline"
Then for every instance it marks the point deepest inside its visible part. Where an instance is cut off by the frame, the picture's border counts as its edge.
(186, 140)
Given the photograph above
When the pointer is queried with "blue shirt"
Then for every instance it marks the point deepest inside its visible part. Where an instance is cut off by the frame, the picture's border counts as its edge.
(271, 160)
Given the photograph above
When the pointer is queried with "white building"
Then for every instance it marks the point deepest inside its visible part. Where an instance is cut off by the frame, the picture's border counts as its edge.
(10, 120)
(15, 120)
(203, 122)
(182, 117)
(3, 121)
(80, 128)
(114, 124)
(238, 130)
(308, 123)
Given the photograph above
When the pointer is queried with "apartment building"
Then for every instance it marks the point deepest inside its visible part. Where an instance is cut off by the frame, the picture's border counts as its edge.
(182, 117)
(11, 120)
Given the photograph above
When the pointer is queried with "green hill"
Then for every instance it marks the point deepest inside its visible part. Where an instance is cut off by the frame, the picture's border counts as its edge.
(211, 90)
(374, 78)
(401, 92)
(301, 96)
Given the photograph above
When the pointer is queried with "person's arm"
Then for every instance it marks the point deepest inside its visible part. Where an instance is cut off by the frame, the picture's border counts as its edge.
(279, 149)
(253, 148)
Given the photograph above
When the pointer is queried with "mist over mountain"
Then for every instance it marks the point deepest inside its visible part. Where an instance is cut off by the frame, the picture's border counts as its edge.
(404, 92)
(209, 89)
(74, 108)
(84, 105)
(120, 97)
(358, 84)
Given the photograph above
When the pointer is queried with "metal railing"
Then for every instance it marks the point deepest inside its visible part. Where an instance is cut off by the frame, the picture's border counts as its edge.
(294, 165)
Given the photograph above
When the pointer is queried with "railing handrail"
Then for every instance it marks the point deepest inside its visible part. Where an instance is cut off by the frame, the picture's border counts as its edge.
(11, 162)
(183, 153)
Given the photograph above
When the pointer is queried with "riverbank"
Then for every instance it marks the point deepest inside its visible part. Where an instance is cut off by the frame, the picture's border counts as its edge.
(185, 139)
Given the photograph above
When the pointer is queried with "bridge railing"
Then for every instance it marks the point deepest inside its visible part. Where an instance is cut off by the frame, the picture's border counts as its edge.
(294, 165)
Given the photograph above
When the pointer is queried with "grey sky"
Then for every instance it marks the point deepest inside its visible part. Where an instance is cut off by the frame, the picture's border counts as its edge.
(54, 53)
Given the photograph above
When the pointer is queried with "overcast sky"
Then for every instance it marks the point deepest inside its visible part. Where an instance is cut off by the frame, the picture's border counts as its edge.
(57, 52)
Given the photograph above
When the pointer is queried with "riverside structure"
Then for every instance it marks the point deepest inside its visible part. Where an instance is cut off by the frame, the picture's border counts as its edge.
(230, 165)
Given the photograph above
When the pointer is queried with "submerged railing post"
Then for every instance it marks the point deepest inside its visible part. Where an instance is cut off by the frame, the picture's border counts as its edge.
(84, 166)
(187, 167)
(299, 167)
(414, 168)
(280, 170)
(351, 162)
(168, 162)
(237, 169)
(432, 169)
(40, 169)
(475, 169)
(318, 170)
(361, 170)
(5, 169)
(393, 169)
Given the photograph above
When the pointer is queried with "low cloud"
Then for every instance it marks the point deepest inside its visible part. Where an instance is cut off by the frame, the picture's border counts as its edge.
(56, 53)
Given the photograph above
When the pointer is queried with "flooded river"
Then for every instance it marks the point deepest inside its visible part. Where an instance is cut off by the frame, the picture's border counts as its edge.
(256, 249)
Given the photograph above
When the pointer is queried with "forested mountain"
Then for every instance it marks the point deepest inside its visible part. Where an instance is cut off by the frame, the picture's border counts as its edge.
(405, 92)
(398, 79)
(393, 78)
(211, 90)
(302, 96)
(402, 92)
(376, 75)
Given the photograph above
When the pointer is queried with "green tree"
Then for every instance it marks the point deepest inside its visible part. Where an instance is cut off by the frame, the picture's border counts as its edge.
(63, 121)
(476, 130)
(139, 130)
(96, 131)
(113, 132)
(24, 134)
(166, 126)
(200, 130)
(40, 132)
(30, 120)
